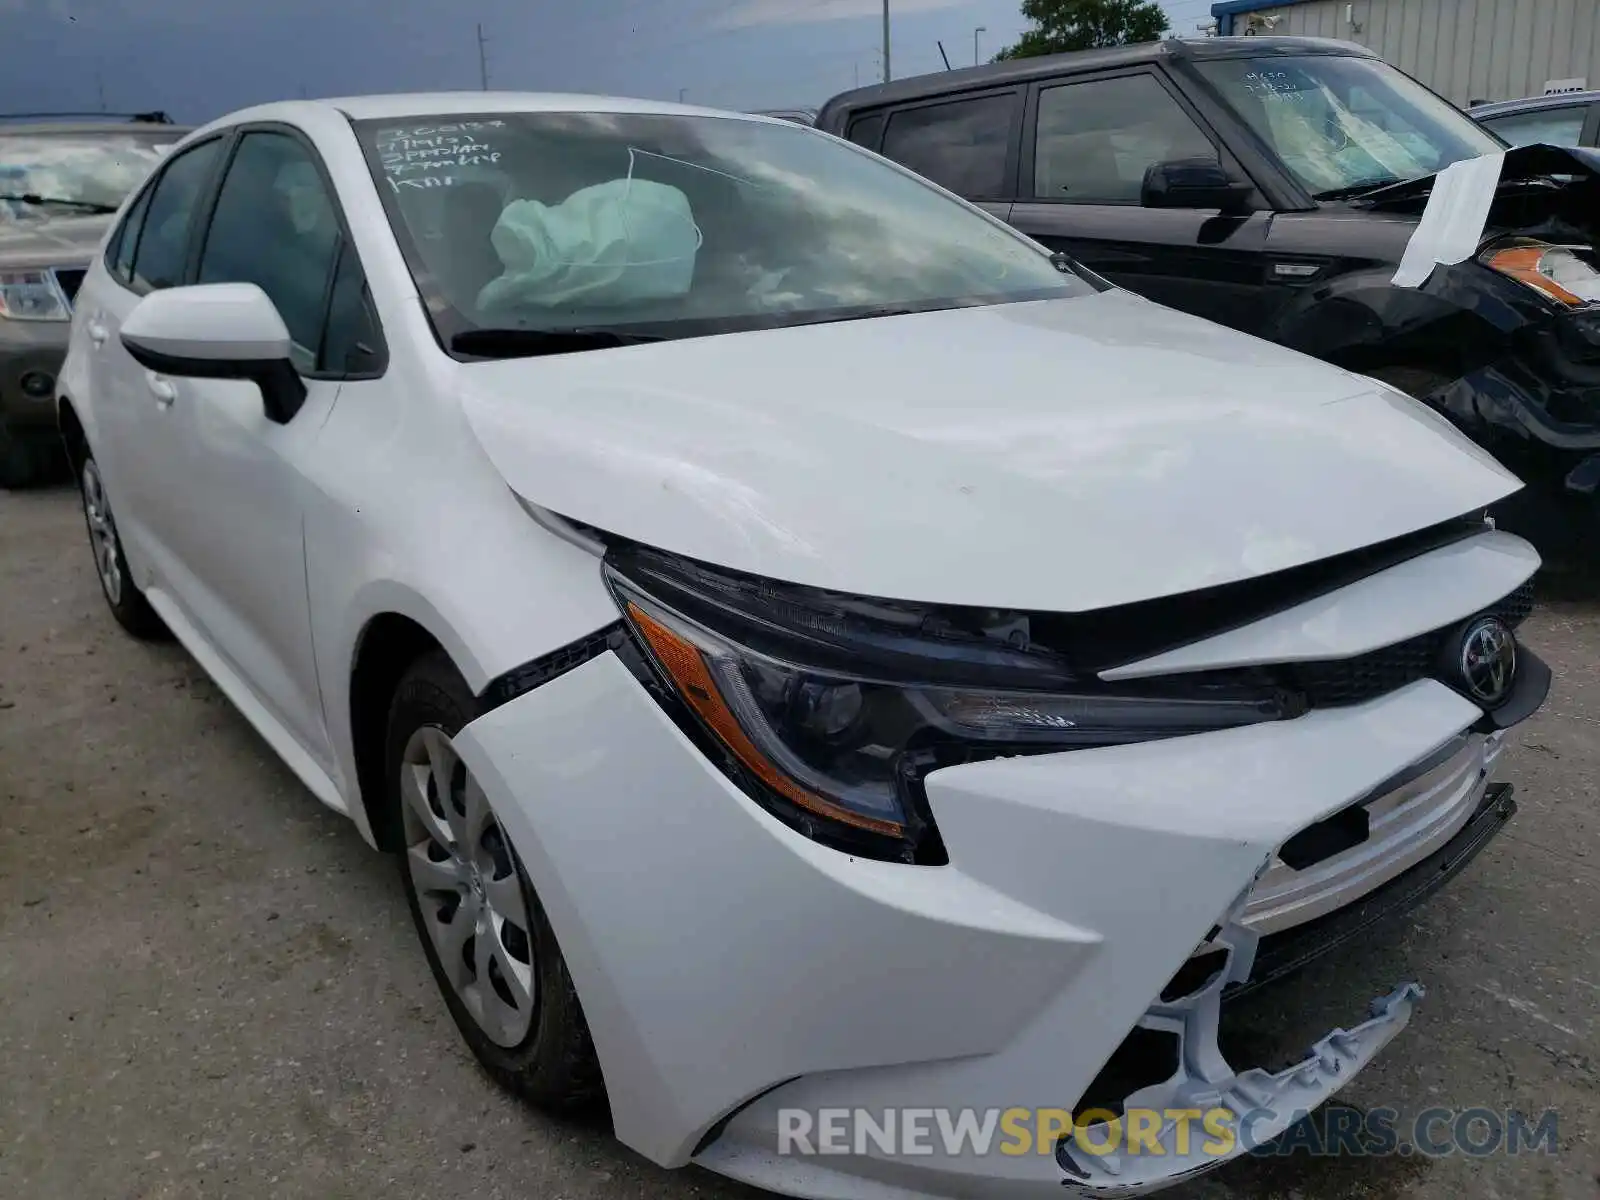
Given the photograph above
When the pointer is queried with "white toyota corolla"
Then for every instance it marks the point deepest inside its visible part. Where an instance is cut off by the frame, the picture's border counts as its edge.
(808, 648)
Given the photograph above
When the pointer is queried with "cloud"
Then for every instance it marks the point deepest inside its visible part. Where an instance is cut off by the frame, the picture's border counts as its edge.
(749, 13)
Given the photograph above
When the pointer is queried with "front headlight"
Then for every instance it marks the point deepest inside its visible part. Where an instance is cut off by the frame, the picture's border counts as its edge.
(32, 296)
(1565, 274)
(830, 709)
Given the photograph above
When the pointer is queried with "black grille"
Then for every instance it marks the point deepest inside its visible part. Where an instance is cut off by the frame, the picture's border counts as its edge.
(1368, 676)
(70, 281)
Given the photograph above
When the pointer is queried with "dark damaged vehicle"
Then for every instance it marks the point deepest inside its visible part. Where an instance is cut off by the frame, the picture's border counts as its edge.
(61, 179)
(1275, 185)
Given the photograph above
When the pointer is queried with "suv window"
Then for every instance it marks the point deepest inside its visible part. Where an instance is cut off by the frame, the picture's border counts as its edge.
(1096, 139)
(867, 131)
(160, 256)
(276, 226)
(1555, 126)
(960, 145)
(1315, 112)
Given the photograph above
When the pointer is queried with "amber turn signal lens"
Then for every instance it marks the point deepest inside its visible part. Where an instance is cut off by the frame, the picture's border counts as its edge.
(1522, 264)
(684, 662)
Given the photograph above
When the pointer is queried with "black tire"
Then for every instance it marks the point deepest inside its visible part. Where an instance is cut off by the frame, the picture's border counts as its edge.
(126, 601)
(554, 1067)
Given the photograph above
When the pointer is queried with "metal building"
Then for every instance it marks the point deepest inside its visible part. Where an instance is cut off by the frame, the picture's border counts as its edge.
(1466, 50)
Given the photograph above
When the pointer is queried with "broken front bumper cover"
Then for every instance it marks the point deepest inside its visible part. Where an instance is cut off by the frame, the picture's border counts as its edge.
(701, 1064)
(1281, 954)
(1096, 1158)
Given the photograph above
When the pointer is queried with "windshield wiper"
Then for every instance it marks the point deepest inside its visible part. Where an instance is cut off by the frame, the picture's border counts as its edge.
(861, 314)
(81, 205)
(1351, 191)
(530, 343)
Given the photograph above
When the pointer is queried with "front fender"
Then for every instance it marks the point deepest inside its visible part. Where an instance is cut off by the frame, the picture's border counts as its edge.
(1361, 318)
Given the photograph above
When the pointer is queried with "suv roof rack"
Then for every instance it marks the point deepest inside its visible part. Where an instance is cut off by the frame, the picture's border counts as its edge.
(154, 117)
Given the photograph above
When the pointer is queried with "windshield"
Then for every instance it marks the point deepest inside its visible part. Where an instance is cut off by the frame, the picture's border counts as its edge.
(675, 226)
(83, 172)
(1343, 125)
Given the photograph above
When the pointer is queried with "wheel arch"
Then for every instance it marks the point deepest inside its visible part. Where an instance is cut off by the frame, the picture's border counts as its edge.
(389, 643)
(73, 433)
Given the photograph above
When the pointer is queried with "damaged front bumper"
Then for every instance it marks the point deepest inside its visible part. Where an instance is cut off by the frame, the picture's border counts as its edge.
(1530, 391)
(1252, 1106)
(795, 977)
(1537, 413)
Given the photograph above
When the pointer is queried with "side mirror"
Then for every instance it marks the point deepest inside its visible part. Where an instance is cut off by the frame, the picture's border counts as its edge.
(217, 331)
(1192, 183)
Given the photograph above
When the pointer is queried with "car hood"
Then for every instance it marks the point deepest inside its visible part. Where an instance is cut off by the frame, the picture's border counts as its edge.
(51, 241)
(1519, 164)
(1063, 455)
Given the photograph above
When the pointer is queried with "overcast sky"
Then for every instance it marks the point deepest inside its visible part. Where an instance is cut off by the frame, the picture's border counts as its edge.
(200, 58)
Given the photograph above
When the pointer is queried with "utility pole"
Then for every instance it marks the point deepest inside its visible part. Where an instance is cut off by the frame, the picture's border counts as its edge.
(483, 60)
(943, 55)
(886, 41)
(100, 88)
(682, 92)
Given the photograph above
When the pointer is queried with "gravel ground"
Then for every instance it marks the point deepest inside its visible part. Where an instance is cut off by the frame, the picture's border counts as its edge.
(209, 986)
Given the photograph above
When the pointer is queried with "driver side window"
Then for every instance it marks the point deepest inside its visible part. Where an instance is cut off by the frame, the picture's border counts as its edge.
(1095, 140)
(276, 226)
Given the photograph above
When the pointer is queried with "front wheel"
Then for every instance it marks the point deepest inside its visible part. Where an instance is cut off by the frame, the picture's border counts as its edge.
(127, 602)
(483, 930)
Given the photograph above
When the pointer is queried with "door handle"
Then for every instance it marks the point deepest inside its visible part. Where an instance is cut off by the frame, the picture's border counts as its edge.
(161, 389)
(97, 332)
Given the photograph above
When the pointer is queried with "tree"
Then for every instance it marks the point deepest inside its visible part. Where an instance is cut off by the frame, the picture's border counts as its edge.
(1061, 25)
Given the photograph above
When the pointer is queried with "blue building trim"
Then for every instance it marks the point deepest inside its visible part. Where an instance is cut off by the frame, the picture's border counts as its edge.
(1225, 10)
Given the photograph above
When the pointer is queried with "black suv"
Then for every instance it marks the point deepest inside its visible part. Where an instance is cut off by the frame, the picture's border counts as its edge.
(1273, 184)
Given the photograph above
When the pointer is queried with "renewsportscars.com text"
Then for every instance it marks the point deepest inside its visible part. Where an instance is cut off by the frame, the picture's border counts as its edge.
(1330, 1131)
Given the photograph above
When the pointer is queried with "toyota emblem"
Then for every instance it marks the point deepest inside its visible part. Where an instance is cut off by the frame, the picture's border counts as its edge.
(1488, 661)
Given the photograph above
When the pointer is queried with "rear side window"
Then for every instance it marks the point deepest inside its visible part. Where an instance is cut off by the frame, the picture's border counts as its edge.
(163, 246)
(960, 145)
(867, 131)
(127, 239)
(1095, 140)
(1552, 126)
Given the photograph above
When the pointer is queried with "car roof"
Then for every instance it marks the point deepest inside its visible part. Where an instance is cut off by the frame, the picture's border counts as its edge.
(439, 104)
(1021, 70)
(1500, 108)
(413, 105)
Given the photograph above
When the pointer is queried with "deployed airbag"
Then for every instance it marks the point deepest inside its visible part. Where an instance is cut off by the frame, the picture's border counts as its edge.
(617, 242)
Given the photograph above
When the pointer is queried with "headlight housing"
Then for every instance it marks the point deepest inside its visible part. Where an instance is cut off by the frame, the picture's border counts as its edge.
(829, 709)
(1568, 275)
(32, 296)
